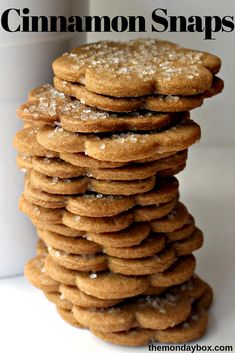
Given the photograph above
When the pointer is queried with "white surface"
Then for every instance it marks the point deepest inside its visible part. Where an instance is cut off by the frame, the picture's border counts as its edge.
(29, 323)
(25, 62)
(25, 58)
(221, 129)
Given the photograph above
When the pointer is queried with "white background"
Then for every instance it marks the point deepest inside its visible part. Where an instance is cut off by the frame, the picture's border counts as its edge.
(29, 323)
(25, 63)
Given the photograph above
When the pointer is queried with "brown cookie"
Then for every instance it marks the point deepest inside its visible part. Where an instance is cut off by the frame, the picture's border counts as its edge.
(194, 288)
(188, 331)
(76, 297)
(137, 68)
(177, 273)
(35, 272)
(114, 147)
(156, 313)
(59, 273)
(173, 221)
(55, 167)
(24, 162)
(57, 228)
(192, 243)
(183, 233)
(139, 267)
(160, 103)
(58, 299)
(82, 160)
(81, 246)
(110, 286)
(99, 205)
(76, 246)
(26, 143)
(120, 221)
(41, 248)
(191, 329)
(55, 185)
(68, 316)
(126, 266)
(205, 301)
(72, 115)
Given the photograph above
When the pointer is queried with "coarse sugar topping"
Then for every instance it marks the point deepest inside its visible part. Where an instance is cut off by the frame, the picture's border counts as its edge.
(128, 137)
(78, 110)
(47, 91)
(141, 57)
(46, 101)
(93, 275)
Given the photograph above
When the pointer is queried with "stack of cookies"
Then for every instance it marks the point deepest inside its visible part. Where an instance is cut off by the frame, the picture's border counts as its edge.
(101, 149)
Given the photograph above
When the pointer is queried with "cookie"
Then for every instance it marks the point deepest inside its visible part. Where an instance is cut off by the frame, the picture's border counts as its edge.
(106, 286)
(118, 222)
(72, 245)
(99, 205)
(182, 233)
(205, 301)
(74, 116)
(140, 267)
(191, 329)
(192, 288)
(177, 273)
(173, 221)
(41, 248)
(188, 331)
(137, 68)
(34, 271)
(149, 247)
(24, 162)
(156, 313)
(102, 224)
(160, 103)
(81, 160)
(56, 167)
(26, 143)
(133, 242)
(129, 237)
(114, 148)
(68, 316)
(76, 297)
(81, 246)
(100, 262)
(55, 185)
(58, 299)
(59, 273)
(192, 243)
(57, 228)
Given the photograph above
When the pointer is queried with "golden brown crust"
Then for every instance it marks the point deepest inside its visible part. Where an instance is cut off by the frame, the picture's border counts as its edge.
(160, 103)
(137, 68)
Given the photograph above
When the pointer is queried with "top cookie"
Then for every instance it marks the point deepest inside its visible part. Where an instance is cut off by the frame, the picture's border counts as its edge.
(137, 68)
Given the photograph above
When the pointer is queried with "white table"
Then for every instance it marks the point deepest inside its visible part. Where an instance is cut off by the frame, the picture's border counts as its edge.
(29, 323)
